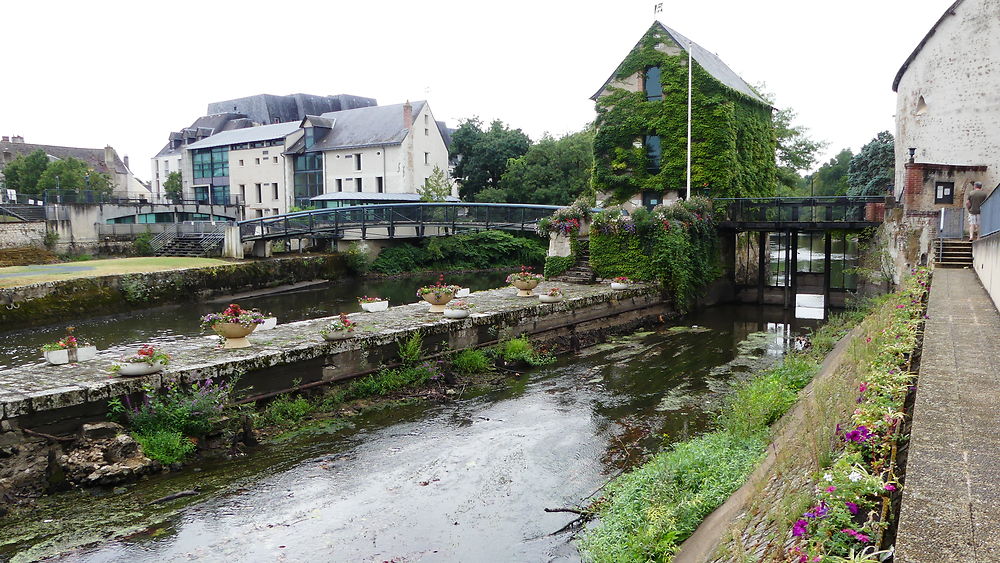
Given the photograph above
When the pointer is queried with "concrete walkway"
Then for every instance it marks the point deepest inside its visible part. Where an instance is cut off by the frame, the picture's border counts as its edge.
(951, 500)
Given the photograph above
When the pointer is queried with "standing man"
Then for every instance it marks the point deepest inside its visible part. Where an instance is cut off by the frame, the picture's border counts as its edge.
(973, 202)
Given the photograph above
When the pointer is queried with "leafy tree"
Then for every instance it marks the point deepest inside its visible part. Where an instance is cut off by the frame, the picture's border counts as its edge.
(552, 172)
(795, 151)
(173, 187)
(437, 188)
(23, 172)
(483, 154)
(73, 174)
(872, 170)
(491, 195)
(831, 178)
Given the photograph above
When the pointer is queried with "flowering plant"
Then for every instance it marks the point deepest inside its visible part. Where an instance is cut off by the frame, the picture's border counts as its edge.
(366, 299)
(68, 341)
(524, 275)
(147, 354)
(340, 324)
(621, 279)
(460, 305)
(565, 221)
(554, 292)
(233, 314)
(614, 220)
(438, 289)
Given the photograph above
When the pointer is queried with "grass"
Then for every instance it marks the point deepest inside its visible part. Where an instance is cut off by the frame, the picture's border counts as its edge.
(165, 446)
(521, 349)
(39, 273)
(471, 362)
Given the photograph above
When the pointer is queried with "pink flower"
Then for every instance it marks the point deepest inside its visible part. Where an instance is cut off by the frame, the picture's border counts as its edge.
(830, 489)
(890, 487)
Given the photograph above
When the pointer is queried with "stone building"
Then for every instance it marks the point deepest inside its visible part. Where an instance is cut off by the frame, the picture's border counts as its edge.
(947, 134)
(640, 147)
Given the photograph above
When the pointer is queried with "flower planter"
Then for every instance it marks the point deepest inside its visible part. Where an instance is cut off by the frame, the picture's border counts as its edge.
(455, 313)
(135, 369)
(616, 285)
(464, 292)
(71, 355)
(550, 298)
(437, 301)
(375, 306)
(334, 335)
(235, 334)
(268, 324)
(524, 287)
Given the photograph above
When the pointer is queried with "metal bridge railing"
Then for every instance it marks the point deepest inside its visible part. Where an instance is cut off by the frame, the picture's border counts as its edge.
(335, 222)
(801, 209)
(989, 218)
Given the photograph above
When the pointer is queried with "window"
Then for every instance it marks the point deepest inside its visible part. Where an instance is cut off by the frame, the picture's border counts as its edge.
(308, 175)
(427, 158)
(259, 198)
(427, 131)
(211, 163)
(652, 84)
(258, 161)
(944, 192)
(241, 162)
(274, 190)
(379, 184)
(653, 152)
(166, 167)
(310, 139)
(243, 192)
(427, 119)
(275, 159)
(921, 106)
(274, 211)
(263, 152)
(157, 163)
(357, 183)
(357, 162)
(340, 185)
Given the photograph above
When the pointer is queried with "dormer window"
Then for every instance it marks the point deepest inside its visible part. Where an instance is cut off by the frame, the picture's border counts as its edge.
(310, 138)
(652, 84)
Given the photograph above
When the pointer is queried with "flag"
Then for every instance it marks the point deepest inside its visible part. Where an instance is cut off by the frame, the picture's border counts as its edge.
(658, 8)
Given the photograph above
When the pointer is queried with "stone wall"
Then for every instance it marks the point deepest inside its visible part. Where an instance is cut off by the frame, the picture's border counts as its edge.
(986, 261)
(13, 235)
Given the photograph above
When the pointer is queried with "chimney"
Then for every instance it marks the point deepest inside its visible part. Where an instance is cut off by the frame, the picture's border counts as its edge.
(125, 160)
(5, 139)
(17, 139)
(109, 157)
(407, 115)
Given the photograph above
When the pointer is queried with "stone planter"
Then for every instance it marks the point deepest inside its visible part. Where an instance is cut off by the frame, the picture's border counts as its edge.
(235, 334)
(616, 285)
(71, 355)
(335, 335)
(524, 287)
(455, 313)
(375, 306)
(464, 292)
(437, 301)
(136, 369)
(268, 324)
(550, 298)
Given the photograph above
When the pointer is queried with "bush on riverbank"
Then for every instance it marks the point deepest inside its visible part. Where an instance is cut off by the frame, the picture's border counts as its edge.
(472, 251)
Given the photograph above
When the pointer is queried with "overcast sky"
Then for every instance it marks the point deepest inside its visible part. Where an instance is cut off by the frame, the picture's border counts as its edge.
(127, 73)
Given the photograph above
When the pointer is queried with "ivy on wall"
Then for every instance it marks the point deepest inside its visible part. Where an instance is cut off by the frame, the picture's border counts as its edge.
(733, 140)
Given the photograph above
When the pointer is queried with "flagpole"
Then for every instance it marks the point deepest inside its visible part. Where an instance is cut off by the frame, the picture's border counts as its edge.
(688, 196)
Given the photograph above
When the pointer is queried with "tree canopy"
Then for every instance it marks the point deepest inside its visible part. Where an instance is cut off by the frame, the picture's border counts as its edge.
(23, 172)
(552, 172)
(483, 154)
(437, 187)
(73, 174)
(795, 152)
(173, 186)
(831, 178)
(872, 170)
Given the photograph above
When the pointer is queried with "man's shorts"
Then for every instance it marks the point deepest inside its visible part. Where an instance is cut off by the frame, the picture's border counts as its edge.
(973, 220)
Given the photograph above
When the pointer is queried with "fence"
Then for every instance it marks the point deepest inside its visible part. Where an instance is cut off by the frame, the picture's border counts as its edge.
(989, 218)
(951, 223)
(130, 230)
(48, 197)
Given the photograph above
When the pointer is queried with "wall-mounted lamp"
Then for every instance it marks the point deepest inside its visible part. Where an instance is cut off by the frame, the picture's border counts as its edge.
(912, 150)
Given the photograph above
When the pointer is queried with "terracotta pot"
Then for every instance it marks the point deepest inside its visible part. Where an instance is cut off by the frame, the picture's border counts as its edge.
(437, 301)
(524, 287)
(234, 333)
(130, 369)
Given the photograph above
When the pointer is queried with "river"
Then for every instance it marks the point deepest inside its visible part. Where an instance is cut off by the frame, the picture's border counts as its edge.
(465, 480)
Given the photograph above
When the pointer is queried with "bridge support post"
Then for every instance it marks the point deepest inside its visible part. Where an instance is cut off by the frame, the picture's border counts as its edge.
(794, 285)
(763, 262)
(827, 275)
(262, 249)
(232, 245)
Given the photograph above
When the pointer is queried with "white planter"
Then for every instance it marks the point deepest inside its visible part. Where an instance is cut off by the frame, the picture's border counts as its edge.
(455, 313)
(375, 306)
(338, 335)
(464, 292)
(550, 298)
(139, 368)
(616, 285)
(71, 355)
(268, 324)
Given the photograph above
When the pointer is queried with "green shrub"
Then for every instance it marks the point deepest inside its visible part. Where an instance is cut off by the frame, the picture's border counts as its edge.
(471, 362)
(557, 265)
(142, 246)
(521, 349)
(470, 251)
(191, 411)
(287, 410)
(165, 446)
(411, 349)
(760, 401)
(389, 380)
(358, 259)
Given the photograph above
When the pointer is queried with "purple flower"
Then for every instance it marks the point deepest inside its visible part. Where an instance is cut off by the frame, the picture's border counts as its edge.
(852, 507)
(890, 487)
(859, 434)
(799, 528)
(831, 489)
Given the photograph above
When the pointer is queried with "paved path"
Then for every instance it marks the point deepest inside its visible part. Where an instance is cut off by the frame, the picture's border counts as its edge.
(951, 501)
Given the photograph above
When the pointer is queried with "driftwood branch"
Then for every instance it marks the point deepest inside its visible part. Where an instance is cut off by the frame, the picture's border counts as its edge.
(573, 510)
(174, 496)
(64, 439)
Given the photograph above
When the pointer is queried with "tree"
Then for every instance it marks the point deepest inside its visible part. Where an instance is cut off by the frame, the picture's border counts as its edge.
(73, 174)
(831, 178)
(795, 151)
(483, 154)
(872, 170)
(437, 187)
(552, 172)
(173, 187)
(491, 195)
(23, 172)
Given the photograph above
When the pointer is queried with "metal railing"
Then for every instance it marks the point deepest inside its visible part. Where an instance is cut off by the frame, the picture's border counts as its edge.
(831, 209)
(335, 222)
(989, 215)
(951, 223)
(48, 197)
(165, 230)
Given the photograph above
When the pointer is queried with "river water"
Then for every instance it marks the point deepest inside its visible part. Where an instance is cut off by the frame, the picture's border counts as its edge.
(465, 480)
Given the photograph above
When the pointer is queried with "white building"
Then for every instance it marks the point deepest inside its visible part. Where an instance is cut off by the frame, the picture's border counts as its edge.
(358, 153)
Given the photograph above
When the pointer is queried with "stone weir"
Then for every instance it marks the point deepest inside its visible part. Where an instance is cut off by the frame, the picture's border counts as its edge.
(58, 399)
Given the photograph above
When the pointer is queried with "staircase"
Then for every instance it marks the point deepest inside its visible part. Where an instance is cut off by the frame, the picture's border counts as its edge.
(953, 253)
(191, 244)
(23, 212)
(580, 272)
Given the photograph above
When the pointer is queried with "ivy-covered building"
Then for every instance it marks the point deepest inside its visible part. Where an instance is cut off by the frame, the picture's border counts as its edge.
(640, 148)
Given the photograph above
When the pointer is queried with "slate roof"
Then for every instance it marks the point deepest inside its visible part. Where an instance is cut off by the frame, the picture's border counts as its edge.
(365, 127)
(93, 157)
(246, 135)
(951, 11)
(209, 124)
(706, 59)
